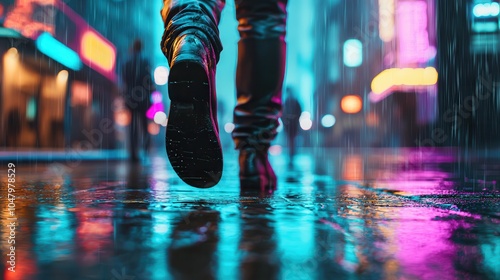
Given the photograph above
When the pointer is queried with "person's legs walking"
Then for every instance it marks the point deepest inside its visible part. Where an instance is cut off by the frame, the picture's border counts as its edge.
(259, 79)
(192, 46)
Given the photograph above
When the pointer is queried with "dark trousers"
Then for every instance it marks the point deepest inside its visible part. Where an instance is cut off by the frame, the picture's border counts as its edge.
(261, 58)
(138, 133)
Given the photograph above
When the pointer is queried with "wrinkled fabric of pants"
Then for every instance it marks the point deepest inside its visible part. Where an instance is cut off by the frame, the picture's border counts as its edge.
(261, 58)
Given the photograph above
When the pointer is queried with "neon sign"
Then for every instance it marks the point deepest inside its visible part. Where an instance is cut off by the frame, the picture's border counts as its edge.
(56, 50)
(404, 77)
(96, 50)
(412, 33)
(386, 20)
(486, 10)
(32, 17)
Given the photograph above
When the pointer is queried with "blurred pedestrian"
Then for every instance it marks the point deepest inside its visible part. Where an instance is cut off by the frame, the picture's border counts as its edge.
(136, 74)
(192, 47)
(291, 125)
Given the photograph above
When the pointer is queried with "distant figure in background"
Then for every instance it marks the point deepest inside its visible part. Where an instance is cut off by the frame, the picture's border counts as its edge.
(290, 118)
(136, 74)
(13, 128)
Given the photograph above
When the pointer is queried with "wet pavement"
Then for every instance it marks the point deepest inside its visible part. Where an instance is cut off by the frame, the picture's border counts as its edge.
(338, 214)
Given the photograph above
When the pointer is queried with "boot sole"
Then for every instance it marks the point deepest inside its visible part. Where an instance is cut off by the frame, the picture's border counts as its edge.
(192, 141)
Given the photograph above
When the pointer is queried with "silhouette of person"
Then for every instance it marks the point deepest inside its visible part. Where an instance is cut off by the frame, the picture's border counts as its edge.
(291, 115)
(138, 87)
(192, 47)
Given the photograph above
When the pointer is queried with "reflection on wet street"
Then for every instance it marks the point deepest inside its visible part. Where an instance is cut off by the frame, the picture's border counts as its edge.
(368, 214)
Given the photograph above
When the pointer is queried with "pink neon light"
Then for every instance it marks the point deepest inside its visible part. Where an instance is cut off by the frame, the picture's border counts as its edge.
(412, 33)
(155, 108)
(156, 97)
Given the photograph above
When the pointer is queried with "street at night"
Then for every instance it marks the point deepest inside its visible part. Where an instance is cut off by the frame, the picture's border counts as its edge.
(367, 214)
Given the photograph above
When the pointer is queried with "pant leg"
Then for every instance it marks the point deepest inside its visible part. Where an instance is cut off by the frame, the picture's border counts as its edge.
(260, 70)
(133, 134)
(146, 136)
(261, 18)
(200, 15)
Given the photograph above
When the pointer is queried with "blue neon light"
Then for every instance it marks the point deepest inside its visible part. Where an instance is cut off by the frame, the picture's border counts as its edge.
(486, 10)
(56, 50)
(353, 53)
(11, 33)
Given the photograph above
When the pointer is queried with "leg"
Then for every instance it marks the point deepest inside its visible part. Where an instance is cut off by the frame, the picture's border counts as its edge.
(259, 79)
(182, 16)
(145, 132)
(291, 149)
(133, 136)
(192, 46)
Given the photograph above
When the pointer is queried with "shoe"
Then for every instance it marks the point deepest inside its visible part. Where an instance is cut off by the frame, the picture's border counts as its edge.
(192, 136)
(256, 172)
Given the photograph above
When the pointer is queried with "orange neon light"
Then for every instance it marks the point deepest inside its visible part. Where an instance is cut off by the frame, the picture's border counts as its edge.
(351, 104)
(97, 51)
(21, 18)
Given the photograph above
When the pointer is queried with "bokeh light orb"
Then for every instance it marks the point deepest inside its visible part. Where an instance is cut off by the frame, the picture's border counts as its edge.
(328, 120)
(160, 118)
(351, 104)
(161, 75)
(229, 127)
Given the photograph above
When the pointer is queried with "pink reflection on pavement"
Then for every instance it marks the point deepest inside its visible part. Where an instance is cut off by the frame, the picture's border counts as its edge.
(423, 247)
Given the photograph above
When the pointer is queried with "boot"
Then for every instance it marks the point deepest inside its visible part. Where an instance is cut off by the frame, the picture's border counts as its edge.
(256, 172)
(259, 81)
(192, 47)
(259, 78)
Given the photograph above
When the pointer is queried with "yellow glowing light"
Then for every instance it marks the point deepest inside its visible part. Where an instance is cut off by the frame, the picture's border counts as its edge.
(62, 76)
(404, 77)
(386, 20)
(12, 52)
(11, 58)
(97, 51)
(351, 104)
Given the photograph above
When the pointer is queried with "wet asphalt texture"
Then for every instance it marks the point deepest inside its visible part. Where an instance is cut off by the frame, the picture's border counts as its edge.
(337, 214)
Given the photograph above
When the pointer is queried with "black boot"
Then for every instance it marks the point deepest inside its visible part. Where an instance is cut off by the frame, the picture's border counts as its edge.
(192, 48)
(256, 172)
(259, 81)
